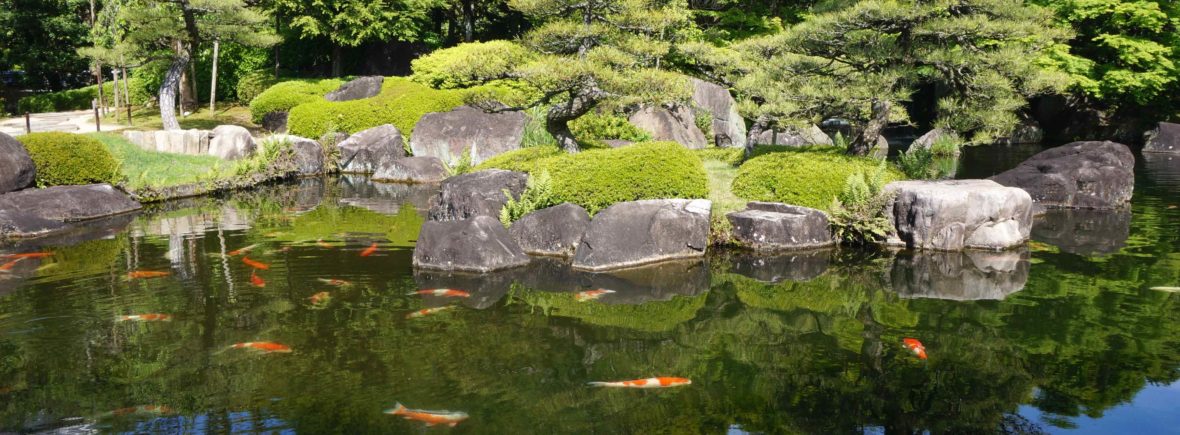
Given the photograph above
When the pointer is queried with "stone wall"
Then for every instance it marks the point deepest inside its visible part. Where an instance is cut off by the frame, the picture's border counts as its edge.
(191, 142)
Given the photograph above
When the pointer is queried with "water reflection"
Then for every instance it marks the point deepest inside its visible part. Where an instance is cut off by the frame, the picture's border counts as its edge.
(1084, 232)
(960, 276)
(778, 267)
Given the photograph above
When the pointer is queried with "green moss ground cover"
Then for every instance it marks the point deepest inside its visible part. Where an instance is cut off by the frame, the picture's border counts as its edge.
(143, 168)
(809, 177)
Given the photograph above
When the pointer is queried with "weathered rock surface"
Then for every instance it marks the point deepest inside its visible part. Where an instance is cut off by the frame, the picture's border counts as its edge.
(960, 276)
(1097, 175)
(358, 88)
(411, 170)
(365, 151)
(954, 215)
(676, 125)
(811, 135)
(553, 231)
(332, 138)
(37, 212)
(231, 142)
(307, 155)
(781, 266)
(448, 135)
(1084, 232)
(1165, 138)
(926, 141)
(191, 142)
(777, 226)
(640, 232)
(475, 194)
(275, 122)
(729, 128)
(478, 244)
(16, 167)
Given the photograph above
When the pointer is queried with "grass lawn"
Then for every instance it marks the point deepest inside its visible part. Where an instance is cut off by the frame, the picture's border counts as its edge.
(144, 168)
(203, 119)
(721, 176)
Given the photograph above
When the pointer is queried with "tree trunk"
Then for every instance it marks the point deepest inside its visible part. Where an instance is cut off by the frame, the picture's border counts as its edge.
(557, 119)
(115, 90)
(560, 130)
(337, 60)
(168, 90)
(188, 89)
(868, 137)
(276, 48)
(468, 20)
(760, 125)
(126, 88)
(102, 105)
(213, 79)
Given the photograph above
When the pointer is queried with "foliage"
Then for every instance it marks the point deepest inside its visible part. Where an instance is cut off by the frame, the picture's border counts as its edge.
(595, 126)
(538, 194)
(78, 99)
(234, 63)
(535, 134)
(39, 41)
(68, 159)
(142, 168)
(918, 163)
(946, 145)
(522, 160)
(652, 316)
(858, 213)
(462, 166)
(253, 84)
(732, 156)
(401, 103)
(284, 96)
(470, 64)
(806, 178)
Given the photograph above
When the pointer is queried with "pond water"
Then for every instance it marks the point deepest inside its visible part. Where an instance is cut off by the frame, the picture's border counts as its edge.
(1064, 336)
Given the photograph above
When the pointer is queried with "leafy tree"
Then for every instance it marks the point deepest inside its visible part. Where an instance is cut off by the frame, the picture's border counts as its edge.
(41, 38)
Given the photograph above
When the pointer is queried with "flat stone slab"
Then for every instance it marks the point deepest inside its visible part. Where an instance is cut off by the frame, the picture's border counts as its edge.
(555, 231)
(777, 226)
(636, 233)
(479, 244)
(38, 212)
(1098, 175)
(953, 215)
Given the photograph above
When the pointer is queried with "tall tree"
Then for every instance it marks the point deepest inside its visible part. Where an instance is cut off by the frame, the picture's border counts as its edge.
(41, 37)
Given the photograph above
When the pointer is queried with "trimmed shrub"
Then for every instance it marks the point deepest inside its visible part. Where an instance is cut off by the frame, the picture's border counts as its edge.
(401, 103)
(809, 178)
(253, 84)
(522, 160)
(595, 126)
(284, 96)
(68, 159)
(79, 99)
(470, 64)
(733, 156)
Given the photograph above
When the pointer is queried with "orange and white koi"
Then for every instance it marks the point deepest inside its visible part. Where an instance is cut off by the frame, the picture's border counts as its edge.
(264, 346)
(370, 250)
(242, 250)
(143, 409)
(255, 264)
(658, 382)
(320, 298)
(443, 292)
(9, 265)
(914, 346)
(590, 295)
(431, 418)
(324, 244)
(137, 274)
(335, 282)
(29, 255)
(256, 280)
(428, 311)
(1167, 289)
(153, 317)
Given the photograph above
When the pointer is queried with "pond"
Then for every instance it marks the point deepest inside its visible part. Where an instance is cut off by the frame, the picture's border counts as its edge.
(1065, 335)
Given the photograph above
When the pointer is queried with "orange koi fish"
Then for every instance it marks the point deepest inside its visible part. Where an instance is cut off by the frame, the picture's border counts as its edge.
(8, 266)
(256, 281)
(143, 409)
(255, 264)
(915, 346)
(264, 346)
(660, 382)
(146, 318)
(29, 255)
(590, 295)
(242, 250)
(428, 311)
(320, 298)
(335, 282)
(370, 250)
(431, 418)
(443, 292)
(324, 244)
(136, 274)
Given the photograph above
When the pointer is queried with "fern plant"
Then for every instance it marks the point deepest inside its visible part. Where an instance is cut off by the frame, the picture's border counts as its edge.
(538, 194)
(462, 166)
(859, 212)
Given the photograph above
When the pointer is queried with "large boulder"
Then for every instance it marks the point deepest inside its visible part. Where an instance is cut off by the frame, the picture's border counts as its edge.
(16, 167)
(448, 135)
(790, 137)
(36, 212)
(361, 87)
(480, 244)
(231, 142)
(676, 125)
(926, 141)
(475, 194)
(411, 170)
(777, 226)
(307, 155)
(729, 128)
(640, 232)
(275, 122)
(954, 215)
(1165, 138)
(367, 150)
(555, 231)
(1097, 175)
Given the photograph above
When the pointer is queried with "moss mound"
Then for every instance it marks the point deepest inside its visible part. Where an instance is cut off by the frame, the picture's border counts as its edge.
(286, 95)
(67, 159)
(810, 178)
(401, 103)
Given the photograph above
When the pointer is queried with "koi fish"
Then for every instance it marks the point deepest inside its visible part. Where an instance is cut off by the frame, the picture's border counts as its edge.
(370, 250)
(242, 250)
(428, 311)
(264, 346)
(443, 292)
(1172, 207)
(255, 264)
(335, 282)
(274, 234)
(29, 255)
(324, 244)
(660, 382)
(915, 346)
(590, 295)
(143, 409)
(136, 274)
(146, 318)
(320, 298)
(431, 418)
(256, 281)
(8, 266)
(1167, 289)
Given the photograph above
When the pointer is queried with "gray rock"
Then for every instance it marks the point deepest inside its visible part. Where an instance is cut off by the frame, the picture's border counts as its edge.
(1097, 175)
(954, 215)
(959, 276)
(448, 135)
(1165, 138)
(1084, 232)
(640, 232)
(411, 170)
(16, 167)
(191, 142)
(927, 140)
(475, 194)
(365, 151)
(358, 88)
(308, 156)
(781, 266)
(729, 128)
(676, 125)
(790, 137)
(1027, 132)
(275, 122)
(480, 244)
(555, 231)
(37, 212)
(231, 142)
(332, 138)
(776, 226)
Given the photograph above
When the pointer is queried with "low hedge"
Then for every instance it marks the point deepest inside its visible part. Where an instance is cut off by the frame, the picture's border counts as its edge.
(597, 178)
(401, 103)
(253, 84)
(79, 99)
(69, 159)
(810, 178)
(284, 96)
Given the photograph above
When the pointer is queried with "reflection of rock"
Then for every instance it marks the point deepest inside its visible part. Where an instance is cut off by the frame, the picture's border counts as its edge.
(486, 288)
(226, 218)
(1162, 169)
(773, 268)
(384, 198)
(1084, 232)
(958, 214)
(657, 282)
(1078, 175)
(309, 194)
(635, 233)
(962, 276)
(478, 244)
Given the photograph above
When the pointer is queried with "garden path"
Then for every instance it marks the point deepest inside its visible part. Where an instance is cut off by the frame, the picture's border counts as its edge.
(79, 121)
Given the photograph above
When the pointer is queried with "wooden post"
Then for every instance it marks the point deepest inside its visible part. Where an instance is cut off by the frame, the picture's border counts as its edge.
(97, 120)
(28, 124)
(213, 86)
(128, 114)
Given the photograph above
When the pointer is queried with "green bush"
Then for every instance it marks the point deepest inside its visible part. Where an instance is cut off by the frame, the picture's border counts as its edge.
(79, 99)
(286, 95)
(253, 83)
(595, 126)
(470, 64)
(810, 178)
(858, 214)
(68, 159)
(595, 179)
(733, 156)
(401, 103)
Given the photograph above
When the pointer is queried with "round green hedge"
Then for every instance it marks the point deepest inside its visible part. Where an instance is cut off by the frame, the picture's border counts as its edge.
(284, 96)
(807, 178)
(401, 103)
(69, 159)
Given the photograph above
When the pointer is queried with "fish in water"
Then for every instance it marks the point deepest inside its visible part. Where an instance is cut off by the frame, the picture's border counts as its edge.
(431, 418)
(29, 255)
(256, 281)
(443, 292)
(154, 317)
(324, 244)
(320, 298)
(590, 295)
(660, 382)
(9, 265)
(1167, 289)
(914, 346)
(335, 282)
(264, 346)
(428, 311)
(255, 264)
(137, 274)
(370, 250)
(242, 250)
(1172, 207)
(143, 409)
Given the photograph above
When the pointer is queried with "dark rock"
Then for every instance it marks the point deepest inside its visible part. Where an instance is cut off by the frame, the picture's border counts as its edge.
(1097, 175)
(960, 276)
(275, 122)
(1084, 232)
(676, 125)
(729, 128)
(37, 212)
(358, 88)
(640, 232)
(478, 244)
(790, 137)
(1165, 138)
(554, 231)
(1029, 131)
(448, 135)
(779, 267)
(927, 140)
(958, 214)
(776, 226)
(16, 167)
(365, 151)
(475, 194)
(411, 170)
(308, 156)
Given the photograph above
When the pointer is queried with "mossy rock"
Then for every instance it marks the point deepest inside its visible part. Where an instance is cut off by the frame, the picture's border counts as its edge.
(810, 178)
(64, 159)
